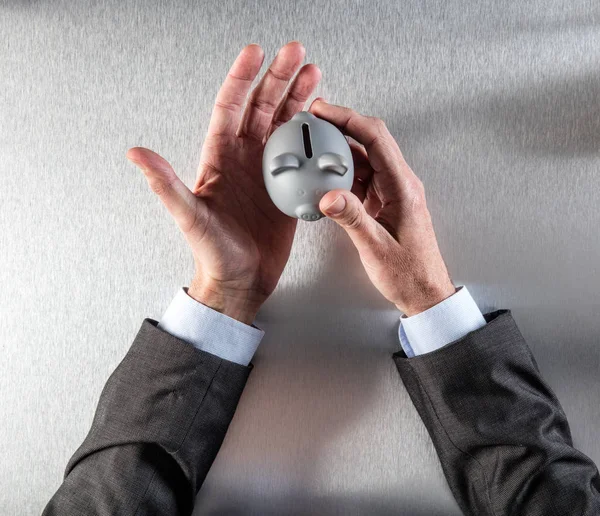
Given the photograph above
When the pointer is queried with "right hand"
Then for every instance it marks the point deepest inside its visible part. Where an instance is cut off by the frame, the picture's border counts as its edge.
(386, 215)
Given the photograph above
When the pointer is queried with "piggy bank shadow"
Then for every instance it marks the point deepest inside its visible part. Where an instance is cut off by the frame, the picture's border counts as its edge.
(324, 360)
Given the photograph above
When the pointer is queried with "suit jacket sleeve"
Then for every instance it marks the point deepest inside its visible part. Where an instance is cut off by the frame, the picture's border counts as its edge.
(159, 424)
(500, 433)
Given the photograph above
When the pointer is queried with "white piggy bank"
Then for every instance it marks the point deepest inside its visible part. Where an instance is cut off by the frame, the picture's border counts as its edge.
(303, 160)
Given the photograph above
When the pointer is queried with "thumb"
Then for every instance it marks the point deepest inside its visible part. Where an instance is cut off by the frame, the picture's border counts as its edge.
(182, 204)
(346, 210)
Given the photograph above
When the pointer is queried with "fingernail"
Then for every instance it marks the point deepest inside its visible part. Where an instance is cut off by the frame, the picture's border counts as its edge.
(320, 99)
(337, 206)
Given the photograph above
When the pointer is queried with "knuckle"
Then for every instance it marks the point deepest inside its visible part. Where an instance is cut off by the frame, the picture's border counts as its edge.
(283, 75)
(378, 135)
(354, 219)
(378, 124)
(418, 187)
(351, 118)
(159, 187)
(232, 105)
(297, 95)
(417, 204)
(415, 190)
(264, 105)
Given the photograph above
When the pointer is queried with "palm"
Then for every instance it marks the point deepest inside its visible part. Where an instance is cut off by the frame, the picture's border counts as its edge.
(258, 234)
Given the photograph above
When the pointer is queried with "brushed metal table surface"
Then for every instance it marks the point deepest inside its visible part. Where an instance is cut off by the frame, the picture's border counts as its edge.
(496, 106)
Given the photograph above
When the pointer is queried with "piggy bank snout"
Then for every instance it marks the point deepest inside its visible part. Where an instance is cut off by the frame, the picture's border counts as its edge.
(308, 212)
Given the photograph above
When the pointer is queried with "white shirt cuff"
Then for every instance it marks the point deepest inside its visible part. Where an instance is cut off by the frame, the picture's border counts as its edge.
(442, 324)
(209, 330)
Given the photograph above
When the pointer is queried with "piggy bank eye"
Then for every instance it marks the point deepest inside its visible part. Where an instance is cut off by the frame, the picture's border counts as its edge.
(330, 162)
(284, 162)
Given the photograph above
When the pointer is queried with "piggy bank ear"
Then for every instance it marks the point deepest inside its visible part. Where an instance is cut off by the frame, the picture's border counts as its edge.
(330, 162)
(283, 162)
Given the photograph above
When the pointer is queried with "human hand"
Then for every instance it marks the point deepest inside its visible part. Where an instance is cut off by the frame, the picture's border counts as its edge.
(239, 239)
(386, 215)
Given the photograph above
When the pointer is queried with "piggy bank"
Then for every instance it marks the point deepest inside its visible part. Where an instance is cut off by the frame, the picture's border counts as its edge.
(303, 160)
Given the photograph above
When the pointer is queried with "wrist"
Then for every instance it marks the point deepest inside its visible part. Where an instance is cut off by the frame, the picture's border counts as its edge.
(426, 296)
(238, 303)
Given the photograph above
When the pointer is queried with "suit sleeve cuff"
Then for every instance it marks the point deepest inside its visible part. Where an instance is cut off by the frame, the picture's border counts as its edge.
(446, 322)
(209, 330)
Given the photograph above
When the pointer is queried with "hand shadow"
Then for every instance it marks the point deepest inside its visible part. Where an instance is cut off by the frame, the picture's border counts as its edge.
(319, 393)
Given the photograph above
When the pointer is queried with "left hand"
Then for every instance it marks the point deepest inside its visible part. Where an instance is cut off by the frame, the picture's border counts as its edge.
(239, 239)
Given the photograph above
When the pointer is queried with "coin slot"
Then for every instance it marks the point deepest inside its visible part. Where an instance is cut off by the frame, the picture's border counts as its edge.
(306, 139)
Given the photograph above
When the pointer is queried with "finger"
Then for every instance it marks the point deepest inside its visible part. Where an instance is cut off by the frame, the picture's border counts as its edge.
(301, 88)
(182, 204)
(359, 189)
(266, 96)
(227, 111)
(363, 185)
(383, 151)
(363, 172)
(372, 202)
(347, 211)
(362, 165)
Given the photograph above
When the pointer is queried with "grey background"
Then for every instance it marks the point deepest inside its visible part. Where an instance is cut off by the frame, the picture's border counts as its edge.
(496, 106)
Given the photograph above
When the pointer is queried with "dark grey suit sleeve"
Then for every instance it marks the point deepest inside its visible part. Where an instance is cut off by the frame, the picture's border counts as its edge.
(159, 424)
(500, 433)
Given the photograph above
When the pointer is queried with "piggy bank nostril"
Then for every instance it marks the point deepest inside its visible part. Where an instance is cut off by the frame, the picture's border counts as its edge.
(308, 212)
